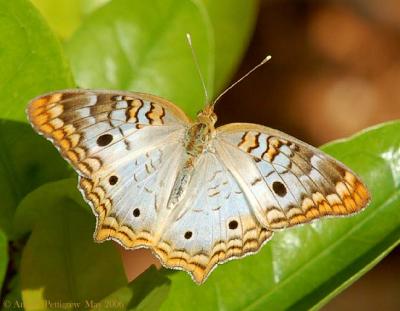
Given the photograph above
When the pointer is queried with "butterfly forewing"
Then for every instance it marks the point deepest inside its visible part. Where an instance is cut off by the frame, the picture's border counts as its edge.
(288, 181)
(83, 123)
(126, 148)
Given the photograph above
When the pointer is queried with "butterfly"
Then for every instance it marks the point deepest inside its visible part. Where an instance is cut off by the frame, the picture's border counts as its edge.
(196, 195)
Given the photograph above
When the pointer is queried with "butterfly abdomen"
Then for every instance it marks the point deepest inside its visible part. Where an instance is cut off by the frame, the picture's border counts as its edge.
(196, 142)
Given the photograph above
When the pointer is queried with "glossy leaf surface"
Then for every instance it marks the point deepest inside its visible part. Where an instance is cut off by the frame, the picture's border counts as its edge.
(32, 63)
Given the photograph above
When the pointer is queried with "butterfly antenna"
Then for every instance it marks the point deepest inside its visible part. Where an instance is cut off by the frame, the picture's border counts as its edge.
(266, 59)
(189, 39)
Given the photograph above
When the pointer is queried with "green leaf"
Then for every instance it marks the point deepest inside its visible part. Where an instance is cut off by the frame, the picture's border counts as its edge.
(30, 56)
(233, 22)
(60, 262)
(231, 36)
(31, 63)
(147, 292)
(130, 45)
(154, 299)
(304, 267)
(3, 257)
(26, 161)
(147, 49)
(64, 16)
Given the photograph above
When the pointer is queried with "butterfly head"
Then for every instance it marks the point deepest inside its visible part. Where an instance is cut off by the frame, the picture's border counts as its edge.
(207, 116)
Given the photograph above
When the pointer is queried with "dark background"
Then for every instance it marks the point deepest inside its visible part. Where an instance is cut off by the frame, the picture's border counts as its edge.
(335, 70)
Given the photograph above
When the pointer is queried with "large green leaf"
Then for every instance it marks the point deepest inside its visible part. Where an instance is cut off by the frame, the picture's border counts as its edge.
(131, 45)
(232, 22)
(26, 161)
(31, 63)
(60, 261)
(306, 266)
(30, 56)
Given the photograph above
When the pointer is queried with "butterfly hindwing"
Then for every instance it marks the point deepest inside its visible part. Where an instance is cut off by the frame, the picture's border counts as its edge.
(212, 224)
(128, 198)
(288, 181)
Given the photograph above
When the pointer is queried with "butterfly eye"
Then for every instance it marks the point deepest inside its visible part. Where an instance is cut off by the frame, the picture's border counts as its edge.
(279, 188)
(233, 224)
(113, 180)
(104, 140)
(136, 212)
(188, 235)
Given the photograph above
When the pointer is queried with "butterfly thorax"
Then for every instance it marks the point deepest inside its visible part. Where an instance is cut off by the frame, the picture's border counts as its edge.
(197, 138)
(201, 132)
